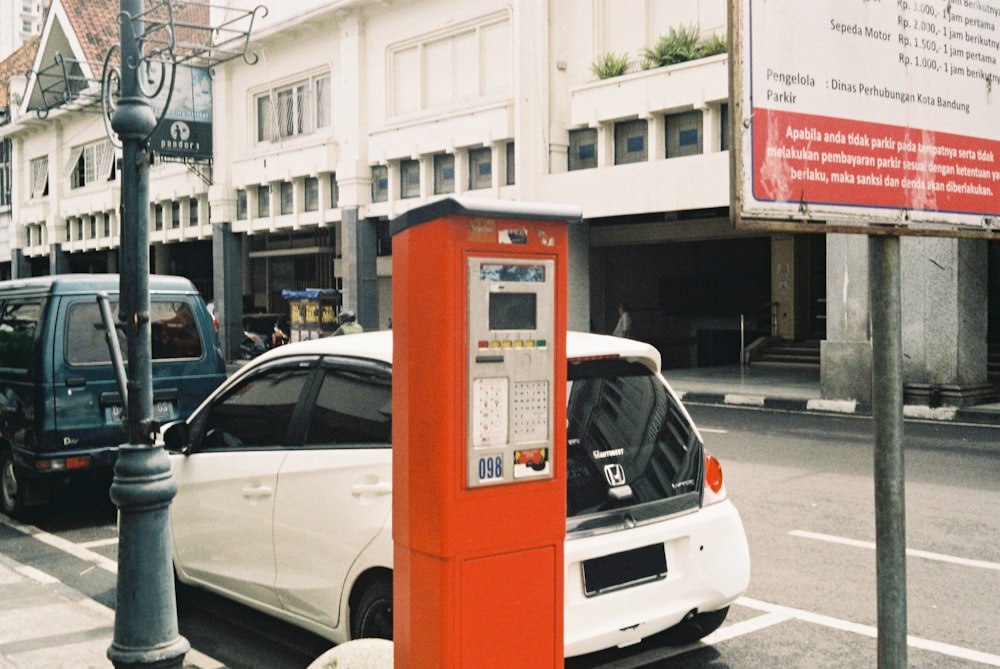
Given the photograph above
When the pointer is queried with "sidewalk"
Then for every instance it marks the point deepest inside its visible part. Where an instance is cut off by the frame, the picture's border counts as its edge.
(45, 624)
(796, 388)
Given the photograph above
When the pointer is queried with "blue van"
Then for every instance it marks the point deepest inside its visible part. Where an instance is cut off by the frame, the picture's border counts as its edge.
(61, 413)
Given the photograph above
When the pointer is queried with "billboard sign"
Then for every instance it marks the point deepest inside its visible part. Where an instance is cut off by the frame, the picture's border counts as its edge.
(868, 111)
(186, 130)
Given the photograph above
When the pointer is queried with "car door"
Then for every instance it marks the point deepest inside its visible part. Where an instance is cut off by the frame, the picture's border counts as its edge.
(223, 515)
(334, 490)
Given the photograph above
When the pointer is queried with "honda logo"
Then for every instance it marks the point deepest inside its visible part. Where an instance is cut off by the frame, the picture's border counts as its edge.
(615, 474)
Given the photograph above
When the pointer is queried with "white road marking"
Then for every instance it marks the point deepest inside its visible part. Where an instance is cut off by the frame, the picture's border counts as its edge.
(927, 555)
(870, 631)
(98, 543)
(76, 550)
(713, 430)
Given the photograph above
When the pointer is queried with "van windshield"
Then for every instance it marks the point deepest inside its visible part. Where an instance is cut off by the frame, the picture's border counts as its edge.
(632, 454)
(174, 332)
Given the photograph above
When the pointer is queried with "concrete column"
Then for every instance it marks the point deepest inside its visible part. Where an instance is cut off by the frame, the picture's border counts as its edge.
(58, 263)
(846, 353)
(227, 286)
(578, 308)
(359, 256)
(783, 284)
(944, 321)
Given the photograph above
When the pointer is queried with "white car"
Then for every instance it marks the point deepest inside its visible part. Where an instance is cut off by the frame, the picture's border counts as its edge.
(284, 497)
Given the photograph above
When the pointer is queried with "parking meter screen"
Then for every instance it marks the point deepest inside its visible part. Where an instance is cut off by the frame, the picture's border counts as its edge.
(512, 311)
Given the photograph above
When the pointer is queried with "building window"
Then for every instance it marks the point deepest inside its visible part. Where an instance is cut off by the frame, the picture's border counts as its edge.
(311, 193)
(241, 205)
(630, 142)
(287, 198)
(193, 211)
(158, 217)
(324, 108)
(334, 191)
(409, 178)
(472, 61)
(175, 214)
(380, 183)
(290, 111)
(89, 163)
(444, 173)
(509, 159)
(5, 148)
(93, 227)
(726, 136)
(480, 168)
(582, 149)
(684, 134)
(40, 177)
(107, 225)
(264, 201)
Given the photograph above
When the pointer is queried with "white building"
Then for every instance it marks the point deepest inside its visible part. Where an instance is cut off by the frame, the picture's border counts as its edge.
(20, 20)
(348, 112)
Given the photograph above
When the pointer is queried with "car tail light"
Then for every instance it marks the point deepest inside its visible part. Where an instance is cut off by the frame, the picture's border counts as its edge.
(715, 489)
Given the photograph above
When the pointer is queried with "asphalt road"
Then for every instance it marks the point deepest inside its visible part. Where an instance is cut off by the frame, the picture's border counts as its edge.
(803, 484)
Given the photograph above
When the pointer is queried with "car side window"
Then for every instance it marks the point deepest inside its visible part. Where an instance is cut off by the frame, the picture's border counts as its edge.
(257, 412)
(353, 406)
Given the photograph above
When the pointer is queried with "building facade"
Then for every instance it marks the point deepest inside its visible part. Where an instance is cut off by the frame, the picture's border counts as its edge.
(347, 113)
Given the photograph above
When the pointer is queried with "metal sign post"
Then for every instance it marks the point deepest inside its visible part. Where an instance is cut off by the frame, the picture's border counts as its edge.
(887, 411)
(896, 135)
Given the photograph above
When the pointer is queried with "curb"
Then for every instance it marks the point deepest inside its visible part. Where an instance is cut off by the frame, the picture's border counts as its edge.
(840, 407)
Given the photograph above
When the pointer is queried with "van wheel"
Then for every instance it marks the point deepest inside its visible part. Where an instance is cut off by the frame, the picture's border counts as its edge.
(373, 616)
(11, 489)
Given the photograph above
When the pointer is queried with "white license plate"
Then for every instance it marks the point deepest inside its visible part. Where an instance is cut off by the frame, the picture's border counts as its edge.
(161, 411)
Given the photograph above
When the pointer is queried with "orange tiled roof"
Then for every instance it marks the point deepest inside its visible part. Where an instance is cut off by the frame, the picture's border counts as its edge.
(95, 23)
(17, 63)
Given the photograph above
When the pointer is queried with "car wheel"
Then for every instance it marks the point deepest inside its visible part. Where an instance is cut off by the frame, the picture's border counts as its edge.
(372, 618)
(695, 627)
(11, 489)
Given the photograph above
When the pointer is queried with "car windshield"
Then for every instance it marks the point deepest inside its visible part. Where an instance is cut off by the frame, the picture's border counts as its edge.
(632, 454)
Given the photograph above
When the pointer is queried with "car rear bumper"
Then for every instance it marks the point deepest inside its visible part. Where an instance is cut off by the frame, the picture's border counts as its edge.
(708, 566)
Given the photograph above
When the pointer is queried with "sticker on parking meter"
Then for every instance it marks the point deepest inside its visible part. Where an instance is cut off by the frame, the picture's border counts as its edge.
(490, 468)
(489, 412)
(530, 462)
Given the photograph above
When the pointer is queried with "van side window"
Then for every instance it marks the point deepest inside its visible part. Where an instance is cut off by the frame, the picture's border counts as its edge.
(18, 323)
(174, 332)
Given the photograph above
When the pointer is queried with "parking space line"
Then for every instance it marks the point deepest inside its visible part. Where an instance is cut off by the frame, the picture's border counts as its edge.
(65, 546)
(754, 624)
(98, 543)
(870, 631)
(927, 555)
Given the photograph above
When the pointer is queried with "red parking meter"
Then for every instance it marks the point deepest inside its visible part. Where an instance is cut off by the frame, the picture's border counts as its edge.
(479, 427)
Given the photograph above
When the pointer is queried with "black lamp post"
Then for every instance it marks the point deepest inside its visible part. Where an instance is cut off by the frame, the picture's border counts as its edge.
(146, 629)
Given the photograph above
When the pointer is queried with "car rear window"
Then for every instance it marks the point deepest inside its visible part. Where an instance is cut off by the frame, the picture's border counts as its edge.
(174, 332)
(632, 454)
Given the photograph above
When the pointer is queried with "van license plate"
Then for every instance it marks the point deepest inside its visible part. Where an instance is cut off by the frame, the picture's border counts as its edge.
(161, 411)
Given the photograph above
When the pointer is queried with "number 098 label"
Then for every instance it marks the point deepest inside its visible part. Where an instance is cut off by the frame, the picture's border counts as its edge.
(490, 468)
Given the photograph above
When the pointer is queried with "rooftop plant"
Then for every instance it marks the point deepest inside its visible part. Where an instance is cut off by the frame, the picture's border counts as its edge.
(610, 64)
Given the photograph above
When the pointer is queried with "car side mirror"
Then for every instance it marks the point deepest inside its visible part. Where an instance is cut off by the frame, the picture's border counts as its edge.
(175, 437)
